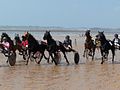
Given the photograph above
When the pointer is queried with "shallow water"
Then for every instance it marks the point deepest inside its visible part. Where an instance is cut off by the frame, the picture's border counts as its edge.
(87, 75)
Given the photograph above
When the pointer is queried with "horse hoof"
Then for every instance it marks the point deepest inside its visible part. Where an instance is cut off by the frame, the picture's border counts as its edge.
(56, 64)
(24, 58)
(48, 62)
(68, 63)
(102, 62)
(38, 62)
(112, 62)
(7, 61)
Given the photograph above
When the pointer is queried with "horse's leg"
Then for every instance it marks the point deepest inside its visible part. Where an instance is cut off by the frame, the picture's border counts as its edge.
(53, 59)
(102, 56)
(29, 52)
(84, 52)
(48, 59)
(41, 58)
(94, 48)
(24, 55)
(65, 57)
(45, 57)
(113, 53)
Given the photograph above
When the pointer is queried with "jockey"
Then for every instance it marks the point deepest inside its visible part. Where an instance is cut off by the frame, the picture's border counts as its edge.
(68, 42)
(87, 34)
(24, 43)
(116, 41)
(6, 45)
(17, 38)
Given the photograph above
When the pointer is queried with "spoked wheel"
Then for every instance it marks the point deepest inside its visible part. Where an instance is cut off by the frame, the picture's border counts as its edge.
(57, 57)
(76, 57)
(32, 57)
(37, 57)
(12, 58)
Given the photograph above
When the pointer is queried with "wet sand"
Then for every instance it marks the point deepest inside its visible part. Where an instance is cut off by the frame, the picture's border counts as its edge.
(87, 75)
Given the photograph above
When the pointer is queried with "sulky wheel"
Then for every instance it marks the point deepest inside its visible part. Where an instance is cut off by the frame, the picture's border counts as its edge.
(57, 57)
(76, 57)
(12, 58)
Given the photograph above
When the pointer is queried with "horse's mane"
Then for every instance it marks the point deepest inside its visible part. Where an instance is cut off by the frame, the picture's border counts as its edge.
(102, 36)
(50, 36)
(32, 40)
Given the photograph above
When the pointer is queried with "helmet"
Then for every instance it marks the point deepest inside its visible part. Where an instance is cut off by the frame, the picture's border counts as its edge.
(116, 35)
(4, 38)
(67, 37)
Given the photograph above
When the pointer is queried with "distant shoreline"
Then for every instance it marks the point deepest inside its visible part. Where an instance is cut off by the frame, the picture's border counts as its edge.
(44, 30)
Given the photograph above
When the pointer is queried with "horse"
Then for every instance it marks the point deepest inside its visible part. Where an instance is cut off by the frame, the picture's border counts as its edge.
(89, 46)
(34, 47)
(18, 46)
(56, 46)
(106, 45)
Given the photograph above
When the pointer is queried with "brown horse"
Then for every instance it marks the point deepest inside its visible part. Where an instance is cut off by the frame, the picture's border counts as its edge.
(89, 46)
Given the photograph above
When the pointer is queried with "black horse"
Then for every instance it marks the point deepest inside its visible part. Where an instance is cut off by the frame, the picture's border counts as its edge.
(106, 45)
(34, 47)
(17, 43)
(55, 46)
(89, 46)
(18, 46)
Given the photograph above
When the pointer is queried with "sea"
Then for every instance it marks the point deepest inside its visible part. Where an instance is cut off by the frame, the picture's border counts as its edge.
(38, 31)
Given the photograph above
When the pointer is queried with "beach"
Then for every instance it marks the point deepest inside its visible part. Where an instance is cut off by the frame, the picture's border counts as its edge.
(87, 75)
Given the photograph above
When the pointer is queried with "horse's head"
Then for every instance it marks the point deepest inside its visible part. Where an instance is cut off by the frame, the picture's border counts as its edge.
(47, 35)
(31, 39)
(100, 36)
(17, 38)
(87, 33)
(5, 35)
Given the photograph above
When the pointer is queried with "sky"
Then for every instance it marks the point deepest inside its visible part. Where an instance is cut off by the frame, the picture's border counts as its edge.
(60, 13)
